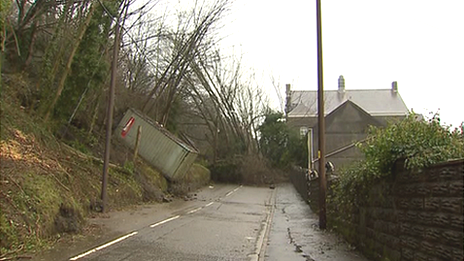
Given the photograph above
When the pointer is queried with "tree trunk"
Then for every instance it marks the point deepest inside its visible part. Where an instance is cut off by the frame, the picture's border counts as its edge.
(46, 75)
(31, 47)
(67, 69)
(95, 114)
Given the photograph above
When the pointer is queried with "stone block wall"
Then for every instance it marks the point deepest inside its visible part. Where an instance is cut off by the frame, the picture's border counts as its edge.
(423, 211)
(298, 178)
(410, 216)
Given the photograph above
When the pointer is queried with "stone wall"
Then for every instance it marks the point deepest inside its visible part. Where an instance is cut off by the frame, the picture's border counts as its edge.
(298, 178)
(309, 190)
(412, 216)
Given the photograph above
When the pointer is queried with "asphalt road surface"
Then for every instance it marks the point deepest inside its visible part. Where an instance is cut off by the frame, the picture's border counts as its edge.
(224, 222)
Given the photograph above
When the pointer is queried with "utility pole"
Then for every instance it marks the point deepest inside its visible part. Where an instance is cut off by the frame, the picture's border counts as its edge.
(320, 111)
(109, 115)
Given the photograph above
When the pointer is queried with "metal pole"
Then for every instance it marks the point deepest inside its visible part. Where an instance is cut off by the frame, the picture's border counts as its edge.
(109, 116)
(320, 103)
(310, 150)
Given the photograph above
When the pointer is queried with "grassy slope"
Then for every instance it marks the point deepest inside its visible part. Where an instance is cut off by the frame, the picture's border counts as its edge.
(47, 188)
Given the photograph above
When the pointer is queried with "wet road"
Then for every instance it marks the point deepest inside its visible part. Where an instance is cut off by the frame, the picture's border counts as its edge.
(225, 222)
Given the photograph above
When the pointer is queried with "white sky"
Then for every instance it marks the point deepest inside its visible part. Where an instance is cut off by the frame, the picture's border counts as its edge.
(419, 43)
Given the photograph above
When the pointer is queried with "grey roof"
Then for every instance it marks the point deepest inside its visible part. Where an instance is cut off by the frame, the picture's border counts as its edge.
(375, 102)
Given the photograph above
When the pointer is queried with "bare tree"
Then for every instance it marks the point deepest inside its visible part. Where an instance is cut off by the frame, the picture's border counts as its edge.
(230, 104)
(187, 42)
(80, 34)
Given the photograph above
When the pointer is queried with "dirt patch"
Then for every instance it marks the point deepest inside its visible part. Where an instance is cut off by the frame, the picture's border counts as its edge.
(148, 181)
(196, 177)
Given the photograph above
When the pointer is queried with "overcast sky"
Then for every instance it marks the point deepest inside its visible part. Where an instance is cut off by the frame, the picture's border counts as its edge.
(418, 43)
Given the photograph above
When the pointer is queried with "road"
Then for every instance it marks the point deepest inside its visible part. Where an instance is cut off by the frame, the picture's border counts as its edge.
(224, 222)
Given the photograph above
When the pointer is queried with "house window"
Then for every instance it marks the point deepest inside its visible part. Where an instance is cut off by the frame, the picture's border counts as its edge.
(303, 131)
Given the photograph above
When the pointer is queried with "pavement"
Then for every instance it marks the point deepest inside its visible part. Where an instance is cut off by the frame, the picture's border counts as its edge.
(295, 235)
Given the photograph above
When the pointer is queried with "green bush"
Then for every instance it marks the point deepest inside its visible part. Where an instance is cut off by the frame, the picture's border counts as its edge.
(419, 143)
(281, 145)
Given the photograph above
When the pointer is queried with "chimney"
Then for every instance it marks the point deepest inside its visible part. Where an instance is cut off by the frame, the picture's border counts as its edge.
(395, 87)
(341, 84)
(288, 98)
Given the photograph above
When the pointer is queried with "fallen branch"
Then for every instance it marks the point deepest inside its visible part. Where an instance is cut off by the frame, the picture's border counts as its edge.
(59, 182)
(4, 257)
(15, 258)
(95, 159)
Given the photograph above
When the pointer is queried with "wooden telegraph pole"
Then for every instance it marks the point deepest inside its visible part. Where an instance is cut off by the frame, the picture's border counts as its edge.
(137, 143)
(109, 115)
(320, 111)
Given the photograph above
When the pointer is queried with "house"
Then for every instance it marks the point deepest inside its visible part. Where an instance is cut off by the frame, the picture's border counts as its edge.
(348, 115)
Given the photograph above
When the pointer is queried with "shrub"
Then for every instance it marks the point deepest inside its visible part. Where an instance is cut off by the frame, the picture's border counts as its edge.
(281, 145)
(419, 143)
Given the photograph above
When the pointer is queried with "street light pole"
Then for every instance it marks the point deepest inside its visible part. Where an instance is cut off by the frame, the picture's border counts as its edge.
(321, 121)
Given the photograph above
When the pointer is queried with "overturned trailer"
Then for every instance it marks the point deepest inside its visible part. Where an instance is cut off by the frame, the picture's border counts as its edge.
(169, 154)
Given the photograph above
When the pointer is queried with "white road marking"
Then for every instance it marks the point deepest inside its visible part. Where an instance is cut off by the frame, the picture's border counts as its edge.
(263, 235)
(194, 210)
(231, 192)
(135, 233)
(165, 221)
(102, 246)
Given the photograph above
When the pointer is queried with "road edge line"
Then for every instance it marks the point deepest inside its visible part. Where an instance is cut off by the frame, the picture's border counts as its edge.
(264, 233)
(103, 246)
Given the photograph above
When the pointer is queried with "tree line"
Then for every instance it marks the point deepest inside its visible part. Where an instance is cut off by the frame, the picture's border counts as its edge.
(170, 67)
